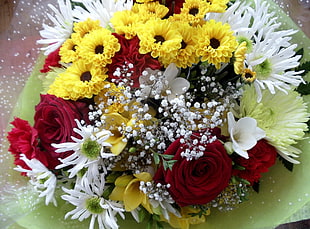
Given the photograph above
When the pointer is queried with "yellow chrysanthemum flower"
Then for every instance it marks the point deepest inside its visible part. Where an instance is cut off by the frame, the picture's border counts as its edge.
(239, 57)
(127, 190)
(216, 43)
(85, 27)
(180, 18)
(194, 11)
(160, 39)
(98, 47)
(186, 55)
(248, 76)
(68, 52)
(125, 22)
(217, 6)
(111, 98)
(282, 116)
(144, 1)
(150, 10)
(80, 80)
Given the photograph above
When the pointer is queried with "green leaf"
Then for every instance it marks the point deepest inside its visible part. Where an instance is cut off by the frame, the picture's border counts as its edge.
(149, 224)
(112, 177)
(156, 158)
(167, 156)
(238, 167)
(304, 89)
(106, 193)
(300, 52)
(256, 187)
(288, 165)
(304, 66)
(142, 214)
(159, 225)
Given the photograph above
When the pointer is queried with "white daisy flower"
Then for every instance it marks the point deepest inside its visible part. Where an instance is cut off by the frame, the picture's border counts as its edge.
(237, 16)
(272, 65)
(90, 203)
(101, 10)
(55, 36)
(87, 150)
(244, 134)
(259, 28)
(42, 178)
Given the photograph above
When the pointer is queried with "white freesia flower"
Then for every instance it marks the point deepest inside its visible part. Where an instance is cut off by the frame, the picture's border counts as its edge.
(100, 10)
(166, 84)
(55, 36)
(244, 134)
(90, 203)
(42, 178)
(87, 150)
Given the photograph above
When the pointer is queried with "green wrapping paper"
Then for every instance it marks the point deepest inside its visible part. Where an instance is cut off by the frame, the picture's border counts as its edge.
(283, 195)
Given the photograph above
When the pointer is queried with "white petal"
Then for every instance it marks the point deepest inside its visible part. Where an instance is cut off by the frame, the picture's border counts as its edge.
(171, 72)
(179, 86)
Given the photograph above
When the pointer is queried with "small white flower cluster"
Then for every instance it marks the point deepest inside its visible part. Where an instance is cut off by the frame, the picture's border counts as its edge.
(123, 75)
(162, 85)
(233, 195)
(159, 197)
(136, 161)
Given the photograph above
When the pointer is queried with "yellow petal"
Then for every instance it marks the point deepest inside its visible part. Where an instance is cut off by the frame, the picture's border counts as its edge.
(117, 194)
(146, 204)
(133, 196)
(143, 176)
(118, 147)
(123, 181)
(114, 119)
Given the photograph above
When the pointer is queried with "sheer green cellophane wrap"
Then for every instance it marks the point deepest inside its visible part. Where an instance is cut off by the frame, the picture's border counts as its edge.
(284, 196)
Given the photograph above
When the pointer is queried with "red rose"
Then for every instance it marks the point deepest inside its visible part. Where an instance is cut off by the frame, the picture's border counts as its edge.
(261, 157)
(129, 54)
(196, 181)
(24, 140)
(54, 121)
(174, 6)
(52, 60)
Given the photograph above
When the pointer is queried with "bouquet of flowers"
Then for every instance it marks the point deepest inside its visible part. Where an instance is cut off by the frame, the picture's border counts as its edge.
(164, 111)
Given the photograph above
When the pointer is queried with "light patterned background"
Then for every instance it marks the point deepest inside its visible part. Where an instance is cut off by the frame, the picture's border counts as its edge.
(20, 21)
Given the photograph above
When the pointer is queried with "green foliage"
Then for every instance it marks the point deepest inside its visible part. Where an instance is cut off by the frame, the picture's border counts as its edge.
(154, 222)
(203, 210)
(304, 89)
(256, 187)
(165, 159)
(304, 66)
(108, 191)
(288, 165)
